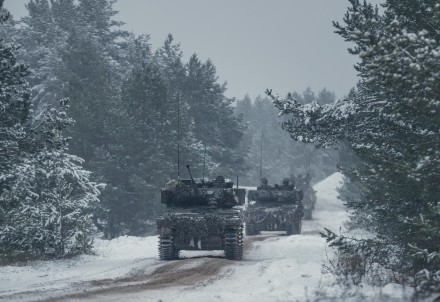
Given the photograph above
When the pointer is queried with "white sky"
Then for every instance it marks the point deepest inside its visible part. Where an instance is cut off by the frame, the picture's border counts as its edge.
(284, 45)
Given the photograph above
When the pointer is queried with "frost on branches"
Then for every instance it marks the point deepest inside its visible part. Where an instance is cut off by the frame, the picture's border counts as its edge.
(391, 122)
(48, 207)
(46, 197)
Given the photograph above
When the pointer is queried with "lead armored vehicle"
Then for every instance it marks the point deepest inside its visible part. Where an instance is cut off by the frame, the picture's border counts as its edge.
(201, 216)
(274, 208)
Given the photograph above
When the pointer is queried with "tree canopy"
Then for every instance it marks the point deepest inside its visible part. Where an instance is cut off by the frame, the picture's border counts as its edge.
(390, 122)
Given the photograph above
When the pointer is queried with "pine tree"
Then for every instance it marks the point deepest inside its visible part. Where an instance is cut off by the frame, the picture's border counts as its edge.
(124, 101)
(41, 40)
(281, 157)
(169, 58)
(50, 199)
(207, 115)
(141, 164)
(215, 122)
(45, 196)
(80, 50)
(15, 101)
(390, 122)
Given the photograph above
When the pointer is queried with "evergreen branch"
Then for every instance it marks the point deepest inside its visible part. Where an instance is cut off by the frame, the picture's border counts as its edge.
(32, 131)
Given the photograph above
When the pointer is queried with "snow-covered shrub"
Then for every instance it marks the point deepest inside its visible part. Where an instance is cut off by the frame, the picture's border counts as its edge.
(427, 279)
(356, 261)
(50, 208)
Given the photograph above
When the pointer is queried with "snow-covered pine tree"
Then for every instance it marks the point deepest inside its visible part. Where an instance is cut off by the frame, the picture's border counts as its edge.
(50, 198)
(391, 123)
(41, 40)
(15, 99)
(209, 112)
(215, 123)
(139, 168)
(45, 196)
(76, 50)
(65, 42)
(169, 59)
(88, 68)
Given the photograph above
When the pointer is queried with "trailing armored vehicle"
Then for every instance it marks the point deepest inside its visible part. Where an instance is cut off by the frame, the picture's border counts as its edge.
(274, 208)
(309, 199)
(201, 216)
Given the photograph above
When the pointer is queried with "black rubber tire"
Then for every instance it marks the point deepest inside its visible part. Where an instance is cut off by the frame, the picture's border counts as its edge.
(234, 244)
(167, 249)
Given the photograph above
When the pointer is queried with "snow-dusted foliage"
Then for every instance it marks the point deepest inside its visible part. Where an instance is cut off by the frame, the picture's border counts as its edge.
(45, 196)
(46, 200)
(124, 99)
(280, 156)
(48, 207)
(391, 122)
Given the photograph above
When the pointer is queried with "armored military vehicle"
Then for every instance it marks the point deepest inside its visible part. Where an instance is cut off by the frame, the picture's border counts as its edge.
(309, 200)
(201, 216)
(274, 208)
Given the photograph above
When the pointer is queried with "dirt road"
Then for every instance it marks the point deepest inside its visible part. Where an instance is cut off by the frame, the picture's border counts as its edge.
(143, 276)
(275, 267)
(149, 275)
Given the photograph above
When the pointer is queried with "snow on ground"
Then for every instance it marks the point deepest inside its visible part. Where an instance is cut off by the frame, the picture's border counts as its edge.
(113, 259)
(329, 210)
(275, 267)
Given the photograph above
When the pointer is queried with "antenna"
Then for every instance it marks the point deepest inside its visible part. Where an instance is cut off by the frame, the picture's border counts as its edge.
(178, 136)
(261, 155)
(204, 161)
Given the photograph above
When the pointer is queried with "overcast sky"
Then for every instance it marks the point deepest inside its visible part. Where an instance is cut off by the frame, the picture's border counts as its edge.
(285, 45)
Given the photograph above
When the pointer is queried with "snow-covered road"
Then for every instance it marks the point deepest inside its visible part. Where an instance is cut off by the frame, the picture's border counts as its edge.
(275, 268)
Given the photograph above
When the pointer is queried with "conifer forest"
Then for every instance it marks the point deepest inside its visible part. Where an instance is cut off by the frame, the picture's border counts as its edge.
(95, 120)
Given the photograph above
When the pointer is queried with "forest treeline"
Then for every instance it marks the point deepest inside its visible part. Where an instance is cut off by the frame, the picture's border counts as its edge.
(89, 122)
(123, 100)
(389, 126)
(272, 149)
(89, 119)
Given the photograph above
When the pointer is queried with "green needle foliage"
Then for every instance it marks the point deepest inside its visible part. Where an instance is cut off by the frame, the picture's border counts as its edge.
(390, 125)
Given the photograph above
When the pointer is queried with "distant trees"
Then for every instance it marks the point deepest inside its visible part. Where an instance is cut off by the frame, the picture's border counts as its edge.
(391, 124)
(281, 156)
(124, 98)
(46, 198)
